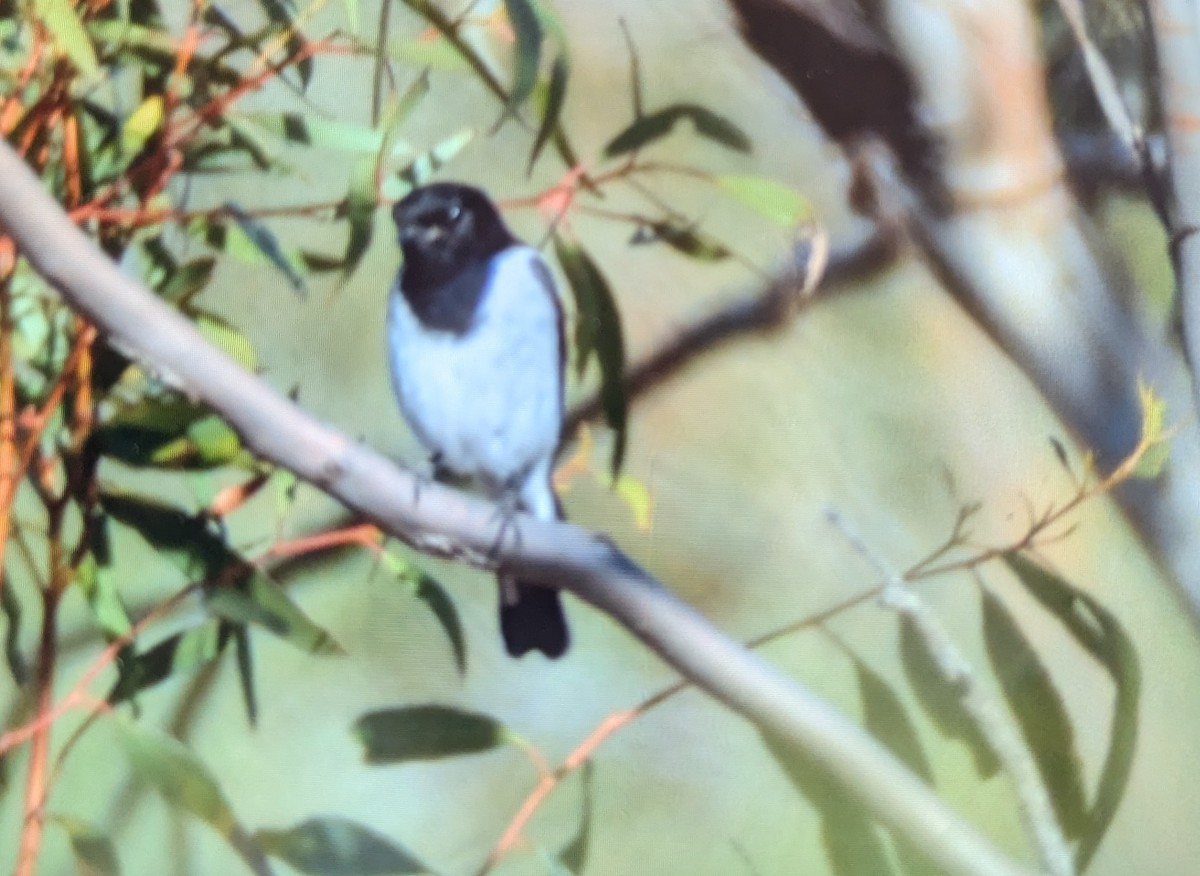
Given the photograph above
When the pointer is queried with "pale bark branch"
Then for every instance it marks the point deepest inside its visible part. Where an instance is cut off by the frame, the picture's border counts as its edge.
(447, 522)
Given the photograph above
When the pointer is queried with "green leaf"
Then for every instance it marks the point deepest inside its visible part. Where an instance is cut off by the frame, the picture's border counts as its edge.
(552, 105)
(1039, 711)
(264, 240)
(527, 52)
(656, 125)
(1098, 631)
(337, 847)
(69, 34)
(169, 431)
(425, 733)
(175, 655)
(245, 666)
(429, 591)
(683, 238)
(182, 538)
(225, 336)
(98, 585)
(888, 721)
(178, 775)
(574, 854)
(436, 52)
(188, 280)
(853, 843)
(11, 609)
(93, 850)
(941, 699)
(258, 600)
(598, 329)
(768, 198)
(361, 200)
(313, 130)
(422, 168)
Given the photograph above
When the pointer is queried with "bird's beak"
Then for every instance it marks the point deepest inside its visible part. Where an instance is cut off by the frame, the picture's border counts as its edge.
(422, 235)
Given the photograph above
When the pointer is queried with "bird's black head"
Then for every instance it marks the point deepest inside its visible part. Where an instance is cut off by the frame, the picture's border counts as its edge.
(446, 228)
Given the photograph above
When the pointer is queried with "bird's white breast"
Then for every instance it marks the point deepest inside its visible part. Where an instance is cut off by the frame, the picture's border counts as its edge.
(489, 401)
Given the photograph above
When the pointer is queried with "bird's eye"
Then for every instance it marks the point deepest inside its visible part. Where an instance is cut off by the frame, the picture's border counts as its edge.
(453, 212)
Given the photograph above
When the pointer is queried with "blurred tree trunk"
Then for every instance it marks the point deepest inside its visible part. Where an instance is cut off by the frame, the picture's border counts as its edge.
(998, 224)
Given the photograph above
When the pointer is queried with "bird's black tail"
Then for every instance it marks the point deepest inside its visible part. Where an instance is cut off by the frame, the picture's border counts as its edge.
(533, 621)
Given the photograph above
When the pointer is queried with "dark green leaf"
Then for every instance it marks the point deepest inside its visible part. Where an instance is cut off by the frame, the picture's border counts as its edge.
(313, 130)
(556, 94)
(93, 850)
(941, 699)
(182, 538)
(11, 608)
(257, 600)
(176, 655)
(599, 329)
(175, 772)
(434, 595)
(425, 733)
(191, 279)
(656, 125)
(1099, 632)
(361, 200)
(267, 243)
(683, 238)
(337, 847)
(852, 841)
(1039, 710)
(135, 435)
(527, 52)
(574, 854)
(888, 721)
(245, 667)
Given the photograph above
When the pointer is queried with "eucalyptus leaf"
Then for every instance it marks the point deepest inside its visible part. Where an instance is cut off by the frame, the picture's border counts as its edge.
(172, 769)
(425, 733)
(1039, 711)
(654, 126)
(94, 852)
(333, 846)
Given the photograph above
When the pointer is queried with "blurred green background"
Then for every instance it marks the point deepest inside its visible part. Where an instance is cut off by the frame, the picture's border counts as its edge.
(883, 401)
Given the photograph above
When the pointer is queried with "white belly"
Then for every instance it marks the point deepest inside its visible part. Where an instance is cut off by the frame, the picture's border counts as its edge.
(488, 401)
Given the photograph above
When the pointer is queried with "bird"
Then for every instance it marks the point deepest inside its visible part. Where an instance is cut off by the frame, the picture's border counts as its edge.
(477, 355)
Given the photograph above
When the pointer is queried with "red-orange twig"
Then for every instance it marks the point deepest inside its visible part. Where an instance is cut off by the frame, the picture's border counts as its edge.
(365, 534)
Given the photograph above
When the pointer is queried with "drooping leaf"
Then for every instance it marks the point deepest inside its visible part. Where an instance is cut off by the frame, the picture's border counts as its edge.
(421, 168)
(174, 656)
(258, 600)
(770, 199)
(245, 666)
(225, 336)
(1039, 711)
(852, 841)
(265, 241)
(69, 34)
(599, 330)
(334, 846)
(187, 280)
(435, 597)
(527, 52)
(11, 608)
(654, 126)
(94, 852)
(181, 538)
(173, 770)
(1098, 631)
(425, 733)
(941, 699)
(552, 105)
(361, 201)
(682, 238)
(97, 582)
(887, 720)
(574, 854)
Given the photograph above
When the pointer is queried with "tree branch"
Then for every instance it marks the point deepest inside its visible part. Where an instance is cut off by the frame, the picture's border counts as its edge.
(447, 522)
